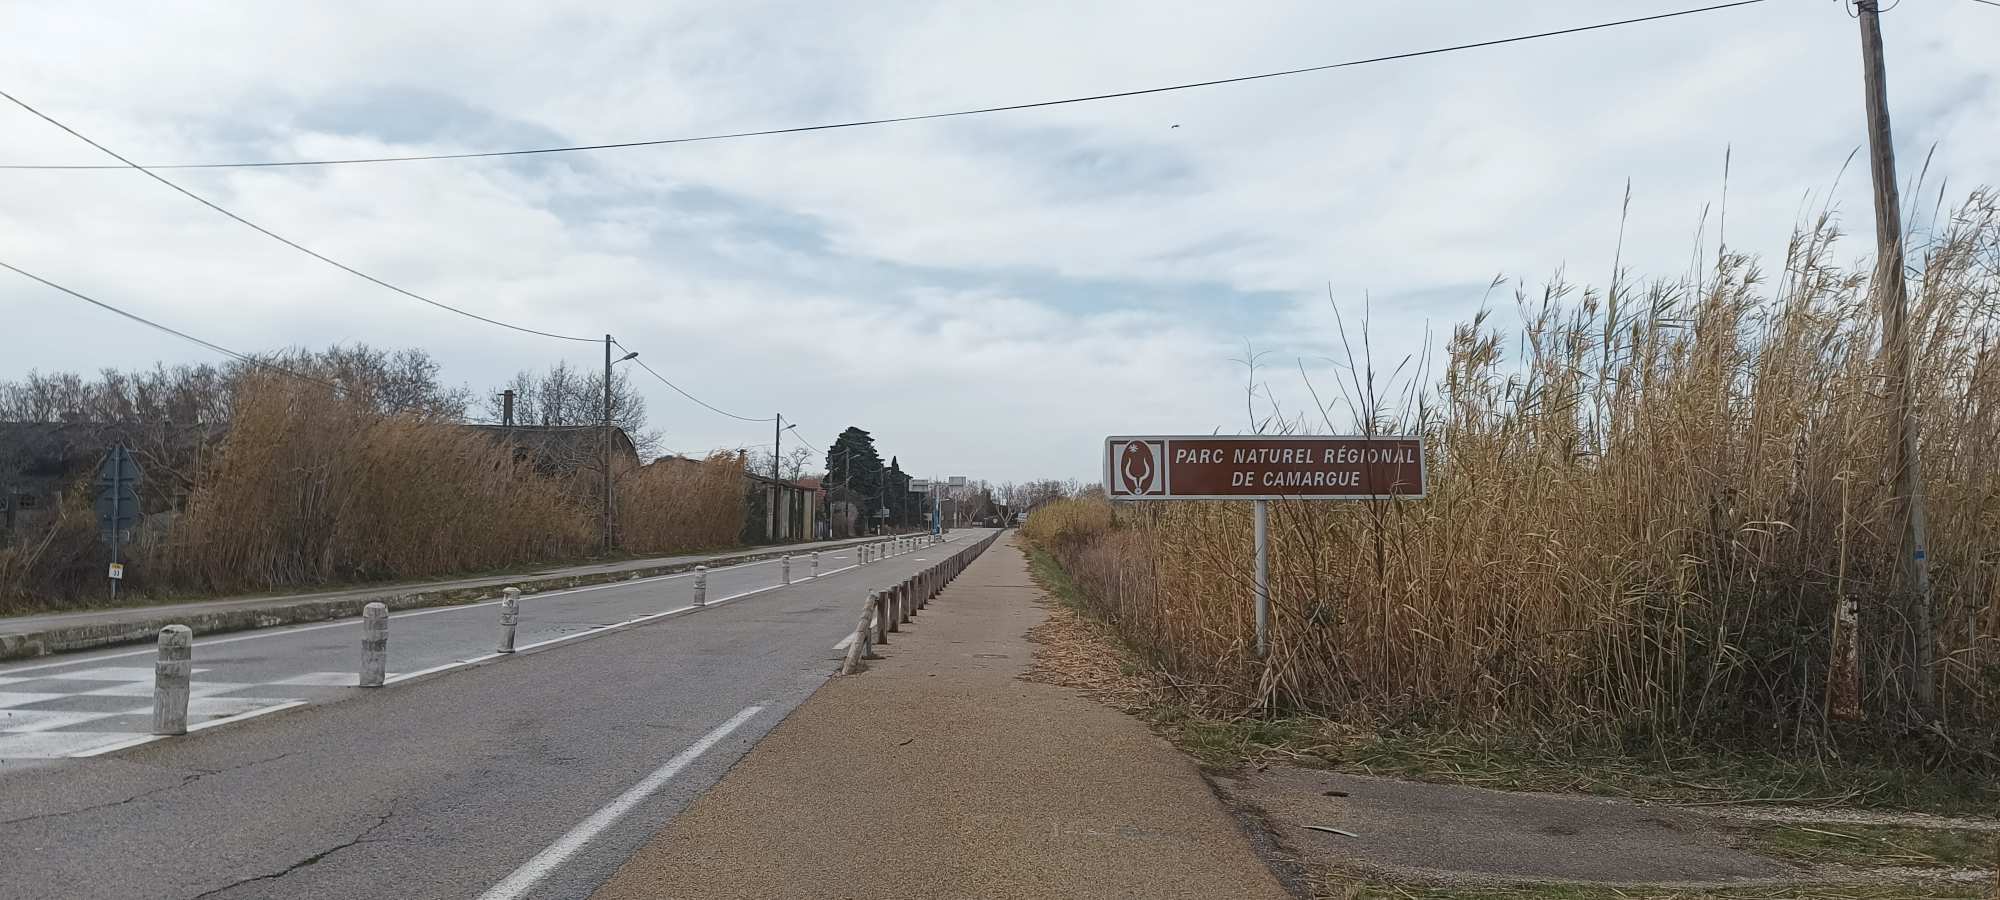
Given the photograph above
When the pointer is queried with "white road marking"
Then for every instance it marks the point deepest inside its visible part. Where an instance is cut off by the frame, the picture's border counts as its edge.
(23, 698)
(845, 642)
(193, 727)
(320, 679)
(265, 711)
(145, 688)
(24, 720)
(445, 667)
(531, 873)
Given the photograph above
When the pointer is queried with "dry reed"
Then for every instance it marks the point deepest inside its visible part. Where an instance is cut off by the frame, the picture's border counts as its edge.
(1641, 528)
(312, 488)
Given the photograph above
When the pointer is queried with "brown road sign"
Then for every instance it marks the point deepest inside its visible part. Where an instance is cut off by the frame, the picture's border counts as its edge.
(1263, 467)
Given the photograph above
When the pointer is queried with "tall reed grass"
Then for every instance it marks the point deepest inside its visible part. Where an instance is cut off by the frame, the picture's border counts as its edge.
(1646, 525)
(312, 488)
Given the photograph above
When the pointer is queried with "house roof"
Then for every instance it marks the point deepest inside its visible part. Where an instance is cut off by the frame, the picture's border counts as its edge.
(565, 444)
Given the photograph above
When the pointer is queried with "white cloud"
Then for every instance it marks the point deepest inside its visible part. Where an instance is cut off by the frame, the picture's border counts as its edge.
(988, 295)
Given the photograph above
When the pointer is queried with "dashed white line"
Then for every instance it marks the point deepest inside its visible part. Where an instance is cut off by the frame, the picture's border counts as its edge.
(531, 873)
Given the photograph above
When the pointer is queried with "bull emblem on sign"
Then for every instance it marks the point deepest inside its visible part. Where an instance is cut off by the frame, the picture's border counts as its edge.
(1138, 468)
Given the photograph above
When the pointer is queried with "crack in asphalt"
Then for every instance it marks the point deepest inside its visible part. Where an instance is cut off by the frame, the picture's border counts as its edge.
(307, 862)
(186, 780)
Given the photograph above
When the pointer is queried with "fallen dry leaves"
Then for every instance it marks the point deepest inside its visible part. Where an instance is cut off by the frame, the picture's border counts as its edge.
(1076, 652)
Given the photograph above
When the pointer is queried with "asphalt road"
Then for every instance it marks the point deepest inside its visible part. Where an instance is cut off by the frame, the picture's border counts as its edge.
(529, 776)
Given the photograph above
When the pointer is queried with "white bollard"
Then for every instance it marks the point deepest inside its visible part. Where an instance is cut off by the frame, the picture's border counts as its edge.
(701, 585)
(815, 564)
(171, 672)
(510, 616)
(374, 644)
(785, 570)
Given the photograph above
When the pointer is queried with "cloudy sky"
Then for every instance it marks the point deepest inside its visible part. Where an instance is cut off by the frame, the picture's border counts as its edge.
(990, 295)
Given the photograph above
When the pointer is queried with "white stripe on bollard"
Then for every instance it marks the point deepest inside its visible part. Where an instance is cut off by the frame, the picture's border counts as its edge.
(171, 672)
(374, 644)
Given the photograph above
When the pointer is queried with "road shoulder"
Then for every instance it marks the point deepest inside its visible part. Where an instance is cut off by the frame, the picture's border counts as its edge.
(941, 773)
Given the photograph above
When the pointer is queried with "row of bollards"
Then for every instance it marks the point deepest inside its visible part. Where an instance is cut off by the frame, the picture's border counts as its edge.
(881, 550)
(889, 608)
(174, 666)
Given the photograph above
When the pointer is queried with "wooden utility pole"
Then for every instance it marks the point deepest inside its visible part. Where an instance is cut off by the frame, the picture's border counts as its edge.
(607, 445)
(1902, 469)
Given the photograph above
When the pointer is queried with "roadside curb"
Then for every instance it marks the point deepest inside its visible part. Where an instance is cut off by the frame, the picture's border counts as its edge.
(70, 639)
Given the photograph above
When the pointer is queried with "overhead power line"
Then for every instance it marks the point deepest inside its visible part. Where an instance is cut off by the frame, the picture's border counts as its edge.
(677, 389)
(149, 323)
(892, 120)
(278, 237)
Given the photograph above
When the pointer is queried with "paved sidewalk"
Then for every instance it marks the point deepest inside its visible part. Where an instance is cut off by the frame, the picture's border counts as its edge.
(937, 773)
(26, 637)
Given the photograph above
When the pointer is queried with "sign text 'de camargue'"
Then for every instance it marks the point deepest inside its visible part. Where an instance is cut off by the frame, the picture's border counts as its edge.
(1263, 467)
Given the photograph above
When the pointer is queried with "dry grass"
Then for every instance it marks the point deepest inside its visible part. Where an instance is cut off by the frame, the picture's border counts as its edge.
(1641, 528)
(678, 508)
(309, 488)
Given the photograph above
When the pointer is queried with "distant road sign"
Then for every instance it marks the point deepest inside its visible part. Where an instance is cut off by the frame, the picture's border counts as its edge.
(1263, 467)
(920, 485)
(958, 481)
(117, 503)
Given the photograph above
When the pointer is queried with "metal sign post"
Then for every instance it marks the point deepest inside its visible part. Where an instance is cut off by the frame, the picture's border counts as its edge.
(1261, 468)
(1260, 513)
(117, 506)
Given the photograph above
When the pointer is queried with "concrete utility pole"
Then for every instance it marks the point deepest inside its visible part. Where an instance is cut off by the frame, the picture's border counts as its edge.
(1903, 468)
(507, 407)
(777, 439)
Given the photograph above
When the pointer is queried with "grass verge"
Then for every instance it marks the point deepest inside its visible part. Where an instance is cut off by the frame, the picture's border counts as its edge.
(1864, 846)
(1082, 652)
(1899, 891)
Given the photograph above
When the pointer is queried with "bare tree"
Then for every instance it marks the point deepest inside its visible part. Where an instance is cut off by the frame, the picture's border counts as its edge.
(570, 395)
